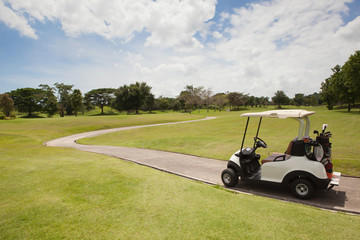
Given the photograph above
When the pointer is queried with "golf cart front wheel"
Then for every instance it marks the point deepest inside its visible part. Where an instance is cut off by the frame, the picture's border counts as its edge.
(302, 188)
(229, 177)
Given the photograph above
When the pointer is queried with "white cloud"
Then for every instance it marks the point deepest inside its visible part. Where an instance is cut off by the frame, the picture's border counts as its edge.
(350, 32)
(171, 23)
(286, 45)
(217, 35)
(16, 21)
(174, 23)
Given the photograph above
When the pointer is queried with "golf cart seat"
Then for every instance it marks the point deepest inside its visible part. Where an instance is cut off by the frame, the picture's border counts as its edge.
(276, 157)
(280, 156)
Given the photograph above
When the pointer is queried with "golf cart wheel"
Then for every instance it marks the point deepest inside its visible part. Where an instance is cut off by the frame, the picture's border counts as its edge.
(302, 188)
(229, 177)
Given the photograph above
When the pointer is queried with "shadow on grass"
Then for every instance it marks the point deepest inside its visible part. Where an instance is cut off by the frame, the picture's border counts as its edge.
(105, 114)
(120, 113)
(355, 109)
(239, 109)
(32, 116)
(351, 112)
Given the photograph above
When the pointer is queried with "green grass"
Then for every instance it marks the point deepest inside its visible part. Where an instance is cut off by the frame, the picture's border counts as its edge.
(60, 193)
(221, 137)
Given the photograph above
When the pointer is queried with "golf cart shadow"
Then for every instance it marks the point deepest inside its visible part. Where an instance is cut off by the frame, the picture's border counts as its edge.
(331, 199)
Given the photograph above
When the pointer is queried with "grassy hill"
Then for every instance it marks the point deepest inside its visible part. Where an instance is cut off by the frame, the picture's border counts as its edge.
(60, 193)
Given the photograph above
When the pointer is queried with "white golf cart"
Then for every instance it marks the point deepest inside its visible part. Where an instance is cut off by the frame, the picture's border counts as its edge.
(305, 166)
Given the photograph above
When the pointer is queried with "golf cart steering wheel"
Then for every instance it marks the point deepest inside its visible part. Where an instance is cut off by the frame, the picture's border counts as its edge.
(260, 142)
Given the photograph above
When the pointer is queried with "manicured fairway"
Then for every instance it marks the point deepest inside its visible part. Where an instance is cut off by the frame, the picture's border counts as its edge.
(59, 193)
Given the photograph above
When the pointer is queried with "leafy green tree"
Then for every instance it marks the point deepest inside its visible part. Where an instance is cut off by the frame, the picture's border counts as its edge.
(299, 99)
(185, 100)
(141, 90)
(6, 104)
(191, 96)
(122, 101)
(49, 102)
(280, 98)
(220, 100)
(131, 97)
(312, 99)
(163, 103)
(64, 92)
(76, 99)
(149, 102)
(351, 79)
(27, 99)
(344, 84)
(342, 89)
(264, 101)
(176, 105)
(235, 99)
(250, 101)
(206, 96)
(100, 97)
(330, 91)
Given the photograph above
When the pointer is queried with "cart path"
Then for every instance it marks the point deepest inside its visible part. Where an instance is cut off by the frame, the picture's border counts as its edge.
(345, 197)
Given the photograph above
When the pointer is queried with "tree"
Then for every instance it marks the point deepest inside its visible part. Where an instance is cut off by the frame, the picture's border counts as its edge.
(236, 99)
(49, 102)
(123, 99)
(6, 104)
(351, 79)
(220, 100)
(64, 92)
(191, 96)
(342, 89)
(144, 90)
(328, 93)
(76, 99)
(344, 84)
(100, 97)
(264, 101)
(27, 99)
(312, 99)
(177, 105)
(131, 97)
(299, 99)
(250, 101)
(163, 103)
(206, 96)
(149, 102)
(280, 98)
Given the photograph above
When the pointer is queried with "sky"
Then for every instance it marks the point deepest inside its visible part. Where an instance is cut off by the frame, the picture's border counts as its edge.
(251, 46)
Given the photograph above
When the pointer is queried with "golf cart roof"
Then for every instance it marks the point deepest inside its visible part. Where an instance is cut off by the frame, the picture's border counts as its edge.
(298, 113)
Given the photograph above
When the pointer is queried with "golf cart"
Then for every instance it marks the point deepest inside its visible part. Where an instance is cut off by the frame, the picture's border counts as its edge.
(305, 166)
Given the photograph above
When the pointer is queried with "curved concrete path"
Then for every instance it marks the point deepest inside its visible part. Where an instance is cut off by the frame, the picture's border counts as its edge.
(345, 197)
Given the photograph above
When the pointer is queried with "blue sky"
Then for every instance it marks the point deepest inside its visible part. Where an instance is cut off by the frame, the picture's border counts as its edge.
(255, 47)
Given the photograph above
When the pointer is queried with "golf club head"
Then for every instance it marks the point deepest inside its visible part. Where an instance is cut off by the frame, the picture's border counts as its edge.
(324, 127)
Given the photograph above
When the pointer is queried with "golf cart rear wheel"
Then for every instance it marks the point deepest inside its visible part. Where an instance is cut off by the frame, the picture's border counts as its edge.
(302, 188)
(229, 177)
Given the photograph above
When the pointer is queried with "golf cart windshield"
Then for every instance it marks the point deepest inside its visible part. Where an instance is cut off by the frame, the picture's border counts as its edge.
(299, 115)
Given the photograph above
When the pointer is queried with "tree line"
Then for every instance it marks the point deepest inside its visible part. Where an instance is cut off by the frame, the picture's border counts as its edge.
(62, 99)
(342, 87)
